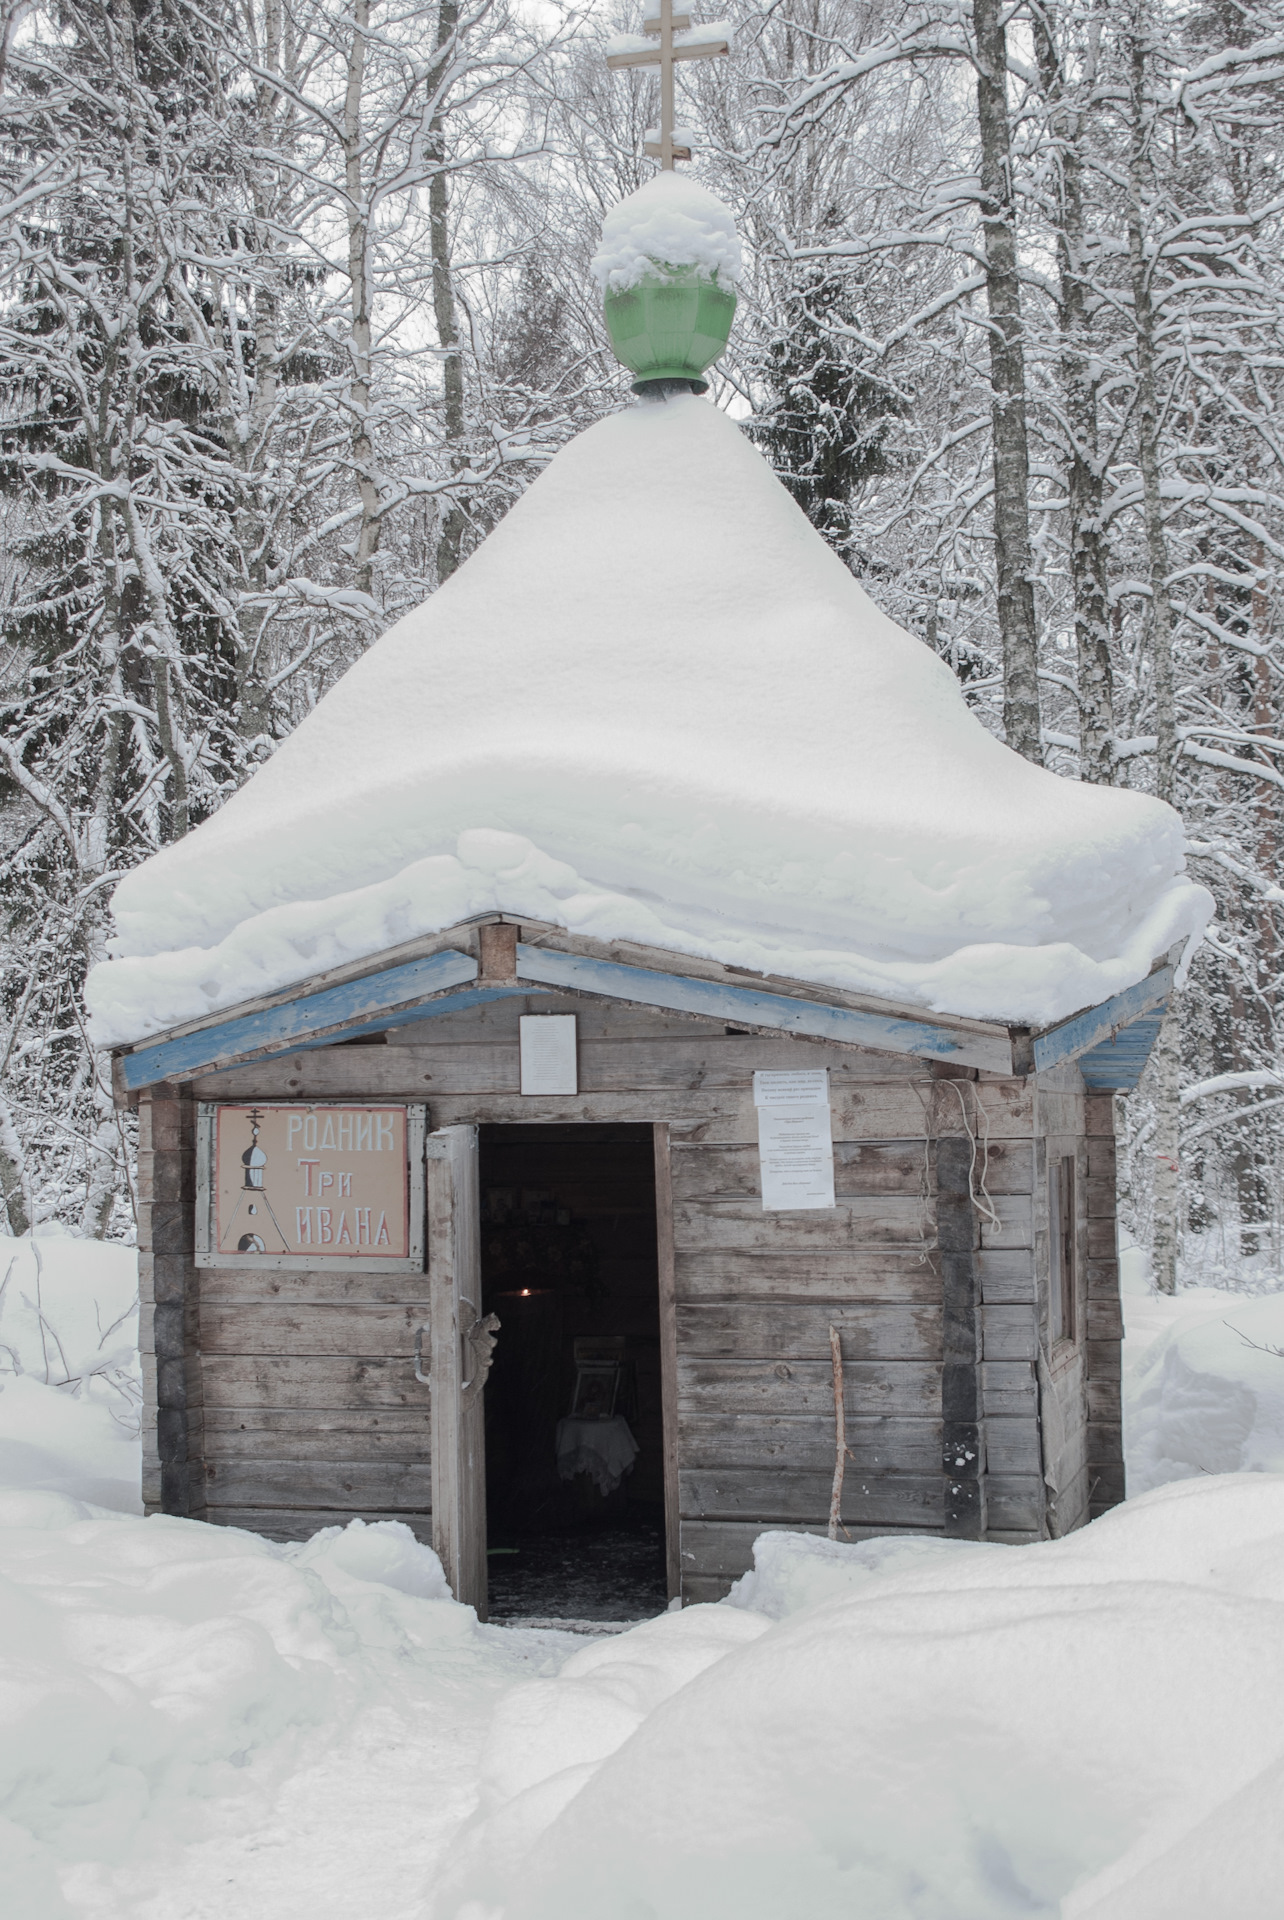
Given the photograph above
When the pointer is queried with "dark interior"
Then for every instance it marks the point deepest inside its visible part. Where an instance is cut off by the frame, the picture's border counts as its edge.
(568, 1250)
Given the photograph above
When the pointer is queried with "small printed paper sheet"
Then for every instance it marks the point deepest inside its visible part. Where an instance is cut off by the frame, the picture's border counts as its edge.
(795, 1144)
(548, 1053)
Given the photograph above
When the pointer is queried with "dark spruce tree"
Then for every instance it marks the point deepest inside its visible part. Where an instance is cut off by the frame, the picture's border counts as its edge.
(826, 424)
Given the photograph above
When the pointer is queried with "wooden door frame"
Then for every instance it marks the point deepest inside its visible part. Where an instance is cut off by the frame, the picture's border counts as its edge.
(667, 1273)
(668, 1326)
(457, 1421)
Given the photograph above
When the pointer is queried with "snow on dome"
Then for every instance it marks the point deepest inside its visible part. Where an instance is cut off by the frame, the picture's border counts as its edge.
(670, 221)
(655, 706)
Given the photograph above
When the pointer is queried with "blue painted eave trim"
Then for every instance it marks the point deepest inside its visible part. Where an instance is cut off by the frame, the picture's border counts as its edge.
(682, 993)
(305, 1020)
(407, 1017)
(1118, 1064)
(1097, 1026)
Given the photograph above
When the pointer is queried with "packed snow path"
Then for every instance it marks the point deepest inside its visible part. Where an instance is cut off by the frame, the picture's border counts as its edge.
(201, 1726)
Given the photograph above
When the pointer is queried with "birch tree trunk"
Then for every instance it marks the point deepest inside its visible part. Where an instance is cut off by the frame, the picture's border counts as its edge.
(450, 536)
(1160, 622)
(1166, 1180)
(1079, 377)
(359, 275)
(1014, 560)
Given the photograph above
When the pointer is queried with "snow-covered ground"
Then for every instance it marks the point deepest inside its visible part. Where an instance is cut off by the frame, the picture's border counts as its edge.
(201, 1725)
(69, 1404)
(1203, 1381)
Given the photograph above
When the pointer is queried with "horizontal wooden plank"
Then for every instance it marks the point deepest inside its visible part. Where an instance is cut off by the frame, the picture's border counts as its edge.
(374, 1444)
(807, 1386)
(1005, 1275)
(1102, 1279)
(904, 1275)
(1105, 1320)
(1014, 1500)
(235, 1380)
(374, 1332)
(228, 1286)
(969, 1044)
(1016, 1223)
(1105, 1402)
(385, 1486)
(805, 1442)
(794, 1329)
(1102, 1241)
(293, 1020)
(1009, 1333)
(673, 1063)
(704, 1590)
(1012, 1445)
(1102, 1359)
(402, 1426)
(300, 1522)
(902, 1219)
(860, 1169)
(496, 1021)
(875, 1110)
(1008, 1387)
(780, 1496)
(723, 1549)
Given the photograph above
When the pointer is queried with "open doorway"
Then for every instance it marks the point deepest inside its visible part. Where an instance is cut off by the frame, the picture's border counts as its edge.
(574, 1422)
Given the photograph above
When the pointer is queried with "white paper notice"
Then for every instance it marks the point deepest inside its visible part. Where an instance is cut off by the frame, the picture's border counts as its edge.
(795, 1147)
(548, 1053)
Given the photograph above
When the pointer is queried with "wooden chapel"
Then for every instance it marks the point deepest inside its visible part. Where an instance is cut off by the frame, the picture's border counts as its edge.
(558, 1015)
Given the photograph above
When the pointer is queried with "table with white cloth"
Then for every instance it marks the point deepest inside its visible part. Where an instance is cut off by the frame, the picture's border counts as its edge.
(605, 1449)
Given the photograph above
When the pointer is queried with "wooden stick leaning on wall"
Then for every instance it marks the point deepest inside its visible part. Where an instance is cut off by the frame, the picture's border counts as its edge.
(841, 1451)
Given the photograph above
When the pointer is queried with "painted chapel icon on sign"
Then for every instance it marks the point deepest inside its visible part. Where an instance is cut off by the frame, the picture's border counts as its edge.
(252, 1197)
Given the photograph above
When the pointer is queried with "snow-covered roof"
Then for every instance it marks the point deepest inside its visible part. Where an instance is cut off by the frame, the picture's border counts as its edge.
(655, 706)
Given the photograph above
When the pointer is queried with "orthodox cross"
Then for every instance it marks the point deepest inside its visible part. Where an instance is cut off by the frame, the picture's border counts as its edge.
(696, 43)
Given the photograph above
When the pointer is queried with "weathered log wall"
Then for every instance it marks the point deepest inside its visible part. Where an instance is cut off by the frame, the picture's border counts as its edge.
(300, 1396)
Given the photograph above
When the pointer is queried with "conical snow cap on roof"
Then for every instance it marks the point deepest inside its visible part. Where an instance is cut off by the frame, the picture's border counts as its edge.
(654, 705)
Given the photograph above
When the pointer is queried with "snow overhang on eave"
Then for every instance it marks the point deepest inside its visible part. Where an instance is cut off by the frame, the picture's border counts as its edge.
(440, 976)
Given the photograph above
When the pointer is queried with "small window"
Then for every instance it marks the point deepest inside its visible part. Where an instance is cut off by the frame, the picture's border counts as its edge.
(1061, 1235)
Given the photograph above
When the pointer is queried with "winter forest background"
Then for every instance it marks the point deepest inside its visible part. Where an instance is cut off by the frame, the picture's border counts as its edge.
(296, 302)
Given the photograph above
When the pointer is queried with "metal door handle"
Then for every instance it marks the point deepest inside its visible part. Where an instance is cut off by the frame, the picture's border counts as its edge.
(424, 1379)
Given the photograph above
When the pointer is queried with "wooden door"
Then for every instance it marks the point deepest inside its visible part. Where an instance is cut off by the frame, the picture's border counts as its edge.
(462, 1342)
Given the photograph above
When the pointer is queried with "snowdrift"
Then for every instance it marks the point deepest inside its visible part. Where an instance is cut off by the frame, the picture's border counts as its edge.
(70, 1383)
(159, 1675)
(1205, 1393)
(917, 1731)
(194, 1720)
(655, 706)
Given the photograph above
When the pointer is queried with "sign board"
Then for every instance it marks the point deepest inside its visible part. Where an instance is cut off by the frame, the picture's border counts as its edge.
(307, 1187)
(795, 1141)
(548, 1057)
